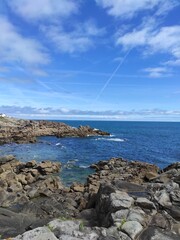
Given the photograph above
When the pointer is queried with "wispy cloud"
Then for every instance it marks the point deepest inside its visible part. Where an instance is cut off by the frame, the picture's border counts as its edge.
(129, 8)
(14, 47)
(79, 39)
(157, 72)
(43, 9)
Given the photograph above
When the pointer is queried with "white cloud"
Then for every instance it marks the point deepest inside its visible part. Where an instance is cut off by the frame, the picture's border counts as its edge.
(157, 71)
(162, 40)
(46, 112)
(20, 49)
(173, 62)
(129, 8)
(79, 39)
(43, 9)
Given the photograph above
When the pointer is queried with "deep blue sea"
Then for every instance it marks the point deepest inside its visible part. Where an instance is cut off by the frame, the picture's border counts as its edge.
(152, 142)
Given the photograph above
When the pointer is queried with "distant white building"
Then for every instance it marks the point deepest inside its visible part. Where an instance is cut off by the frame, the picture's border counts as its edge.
(2, 115)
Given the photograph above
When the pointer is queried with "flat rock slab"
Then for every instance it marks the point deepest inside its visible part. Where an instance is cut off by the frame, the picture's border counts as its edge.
(12, 224)
(131, 188)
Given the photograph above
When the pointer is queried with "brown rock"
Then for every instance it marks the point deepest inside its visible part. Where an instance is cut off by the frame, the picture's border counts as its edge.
(151, 175)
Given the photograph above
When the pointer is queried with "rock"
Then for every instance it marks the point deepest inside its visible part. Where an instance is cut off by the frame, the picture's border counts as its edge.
(5, 159)
(132, 228)
(176, 228)
(145, 203)
(151, 175)
(161, 221)
(77, 187)
(138, 215)
(21, 178)
(153, 233)
(113, 233)
(64, 227)
(29, 178)
(26, 131)
(175, 197)
(41, 233)
(120, 200)
(31, 164)
(119, 216)
(162, 197)
(174, 211)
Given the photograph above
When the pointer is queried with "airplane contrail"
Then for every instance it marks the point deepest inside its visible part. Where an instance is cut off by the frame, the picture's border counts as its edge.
(112, 75)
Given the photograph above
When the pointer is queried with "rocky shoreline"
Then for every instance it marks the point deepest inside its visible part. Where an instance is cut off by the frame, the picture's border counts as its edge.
(122, 200)
(27, 131)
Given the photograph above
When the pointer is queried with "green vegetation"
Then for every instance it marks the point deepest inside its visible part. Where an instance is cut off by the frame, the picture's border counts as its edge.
(81, 226)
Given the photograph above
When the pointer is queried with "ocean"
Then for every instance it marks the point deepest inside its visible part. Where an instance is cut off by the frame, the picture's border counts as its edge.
(152, 142)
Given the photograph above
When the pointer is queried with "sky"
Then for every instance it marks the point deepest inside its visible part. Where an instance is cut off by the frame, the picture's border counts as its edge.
(90, 59)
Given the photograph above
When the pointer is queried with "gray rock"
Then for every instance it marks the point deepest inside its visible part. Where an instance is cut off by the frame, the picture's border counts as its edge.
(120, 200)
(119, 216)
(175, 197)
(153, 233)
(132, 228)
(60, 227)
(41, 233)
(161, 221)
(138, 215)
(162, 197)
(145, 203)
(113, 233)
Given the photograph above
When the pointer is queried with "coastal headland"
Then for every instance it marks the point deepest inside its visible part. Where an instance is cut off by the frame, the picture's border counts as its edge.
(27, 131)
(122, 199)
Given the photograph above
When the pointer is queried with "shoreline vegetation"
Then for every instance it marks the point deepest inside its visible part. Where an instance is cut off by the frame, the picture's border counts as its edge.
(122, 199)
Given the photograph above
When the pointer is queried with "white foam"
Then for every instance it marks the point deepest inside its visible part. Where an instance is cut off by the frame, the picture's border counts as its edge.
(83, 166)
(57, 144)
(111, 139)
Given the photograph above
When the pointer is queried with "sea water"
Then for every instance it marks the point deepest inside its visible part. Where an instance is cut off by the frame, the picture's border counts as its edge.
(152, 142)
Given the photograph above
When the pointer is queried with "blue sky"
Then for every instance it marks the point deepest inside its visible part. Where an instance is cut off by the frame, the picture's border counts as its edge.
(95, 59)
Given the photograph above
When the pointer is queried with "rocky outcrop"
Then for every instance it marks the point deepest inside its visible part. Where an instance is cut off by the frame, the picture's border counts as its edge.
(20, 182)
(121, 200)
(26, 131)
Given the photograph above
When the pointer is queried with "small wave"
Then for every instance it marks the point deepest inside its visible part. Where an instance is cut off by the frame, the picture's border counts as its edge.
(72, 161)
(57, 144)
(111, 139)
(83, 166)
